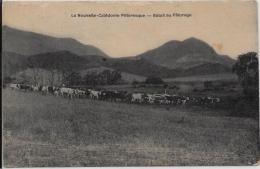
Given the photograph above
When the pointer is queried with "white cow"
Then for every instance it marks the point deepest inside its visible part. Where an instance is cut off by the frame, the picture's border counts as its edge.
(150, 98)
(35, 88)
(14, 86)
(64, 91)
(44, 89)
(79, 93)
(137, 97)
(56, 92)
(94, 94)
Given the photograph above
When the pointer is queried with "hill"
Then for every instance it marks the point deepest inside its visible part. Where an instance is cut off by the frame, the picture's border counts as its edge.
(65, 60)
(140, 67)
(185, 54)
(30, 43)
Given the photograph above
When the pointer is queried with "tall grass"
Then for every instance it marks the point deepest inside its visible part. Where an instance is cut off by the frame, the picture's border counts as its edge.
(54, 131)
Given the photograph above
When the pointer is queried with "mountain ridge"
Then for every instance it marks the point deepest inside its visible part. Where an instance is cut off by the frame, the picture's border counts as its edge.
(172, 54)
(30, 43)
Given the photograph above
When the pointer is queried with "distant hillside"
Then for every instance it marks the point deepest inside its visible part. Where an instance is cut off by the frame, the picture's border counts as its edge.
(140, 67)
(29, 43)
(207, 68)
(65, 60)
(185, 54)
(61, 60)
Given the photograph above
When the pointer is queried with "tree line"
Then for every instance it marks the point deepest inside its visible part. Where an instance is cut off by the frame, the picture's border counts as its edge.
(106, 77)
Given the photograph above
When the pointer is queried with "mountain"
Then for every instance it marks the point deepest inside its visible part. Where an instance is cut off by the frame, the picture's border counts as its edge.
(29, 43)
(185, 54)
(65, 60)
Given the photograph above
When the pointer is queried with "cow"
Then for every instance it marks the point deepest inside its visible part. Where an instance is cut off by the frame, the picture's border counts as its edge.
(66, 92)
(217, 100)
(79, 93)
(51, 89)
(172, 99)
(106, 95)
(35, 88)
(56, 92)
(137, 98)
(25, 87)
(213, 100)
(128, 98)
(149, 98)
(159, 98)
(44, 90)
(119, 95)
(94, 94)
(14, 86)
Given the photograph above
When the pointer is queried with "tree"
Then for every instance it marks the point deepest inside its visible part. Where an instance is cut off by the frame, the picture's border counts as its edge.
(73, 78)
(153, 80)
(208, 84)
(91, 78)
(8, 79)
(106, 77)
(115, 77)
(34, 65)
(246, 68)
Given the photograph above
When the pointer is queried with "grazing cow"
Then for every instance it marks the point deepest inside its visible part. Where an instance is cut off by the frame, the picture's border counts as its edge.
(214, 100)
(44, 90)
(51, 89)
(217, 100)
(149, 98)
(66, 92)
(119, 95)
(159, 98)
(14, 86)
(106, 95)
(79, 93)
(165, 99)
(128, 97)
(137, 97)
(194, 100)
(40, 88)
(35, 88)
(172, 99)
(56, 92)
(25, 87)
(94, 94)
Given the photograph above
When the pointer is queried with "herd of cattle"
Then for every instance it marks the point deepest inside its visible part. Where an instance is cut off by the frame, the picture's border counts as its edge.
(119, 96)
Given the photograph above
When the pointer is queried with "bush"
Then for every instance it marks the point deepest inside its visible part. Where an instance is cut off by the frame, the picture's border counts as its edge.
(154, 80)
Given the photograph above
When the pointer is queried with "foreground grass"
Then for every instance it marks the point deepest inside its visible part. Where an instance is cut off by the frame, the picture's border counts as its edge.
(48, 131)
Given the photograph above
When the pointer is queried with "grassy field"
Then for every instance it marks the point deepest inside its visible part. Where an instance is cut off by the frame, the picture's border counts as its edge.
(202, 78)
(52, 131)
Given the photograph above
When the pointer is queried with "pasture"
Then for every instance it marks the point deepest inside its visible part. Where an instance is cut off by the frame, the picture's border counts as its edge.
(202, 78)
(41, 131)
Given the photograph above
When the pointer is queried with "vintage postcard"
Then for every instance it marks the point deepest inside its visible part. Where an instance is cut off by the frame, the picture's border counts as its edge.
(101, 83)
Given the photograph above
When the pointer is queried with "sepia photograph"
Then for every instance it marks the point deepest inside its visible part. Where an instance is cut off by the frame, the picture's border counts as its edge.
(114, 84)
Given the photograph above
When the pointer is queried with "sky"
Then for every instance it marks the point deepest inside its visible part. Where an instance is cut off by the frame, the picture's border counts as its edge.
(230, 27)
